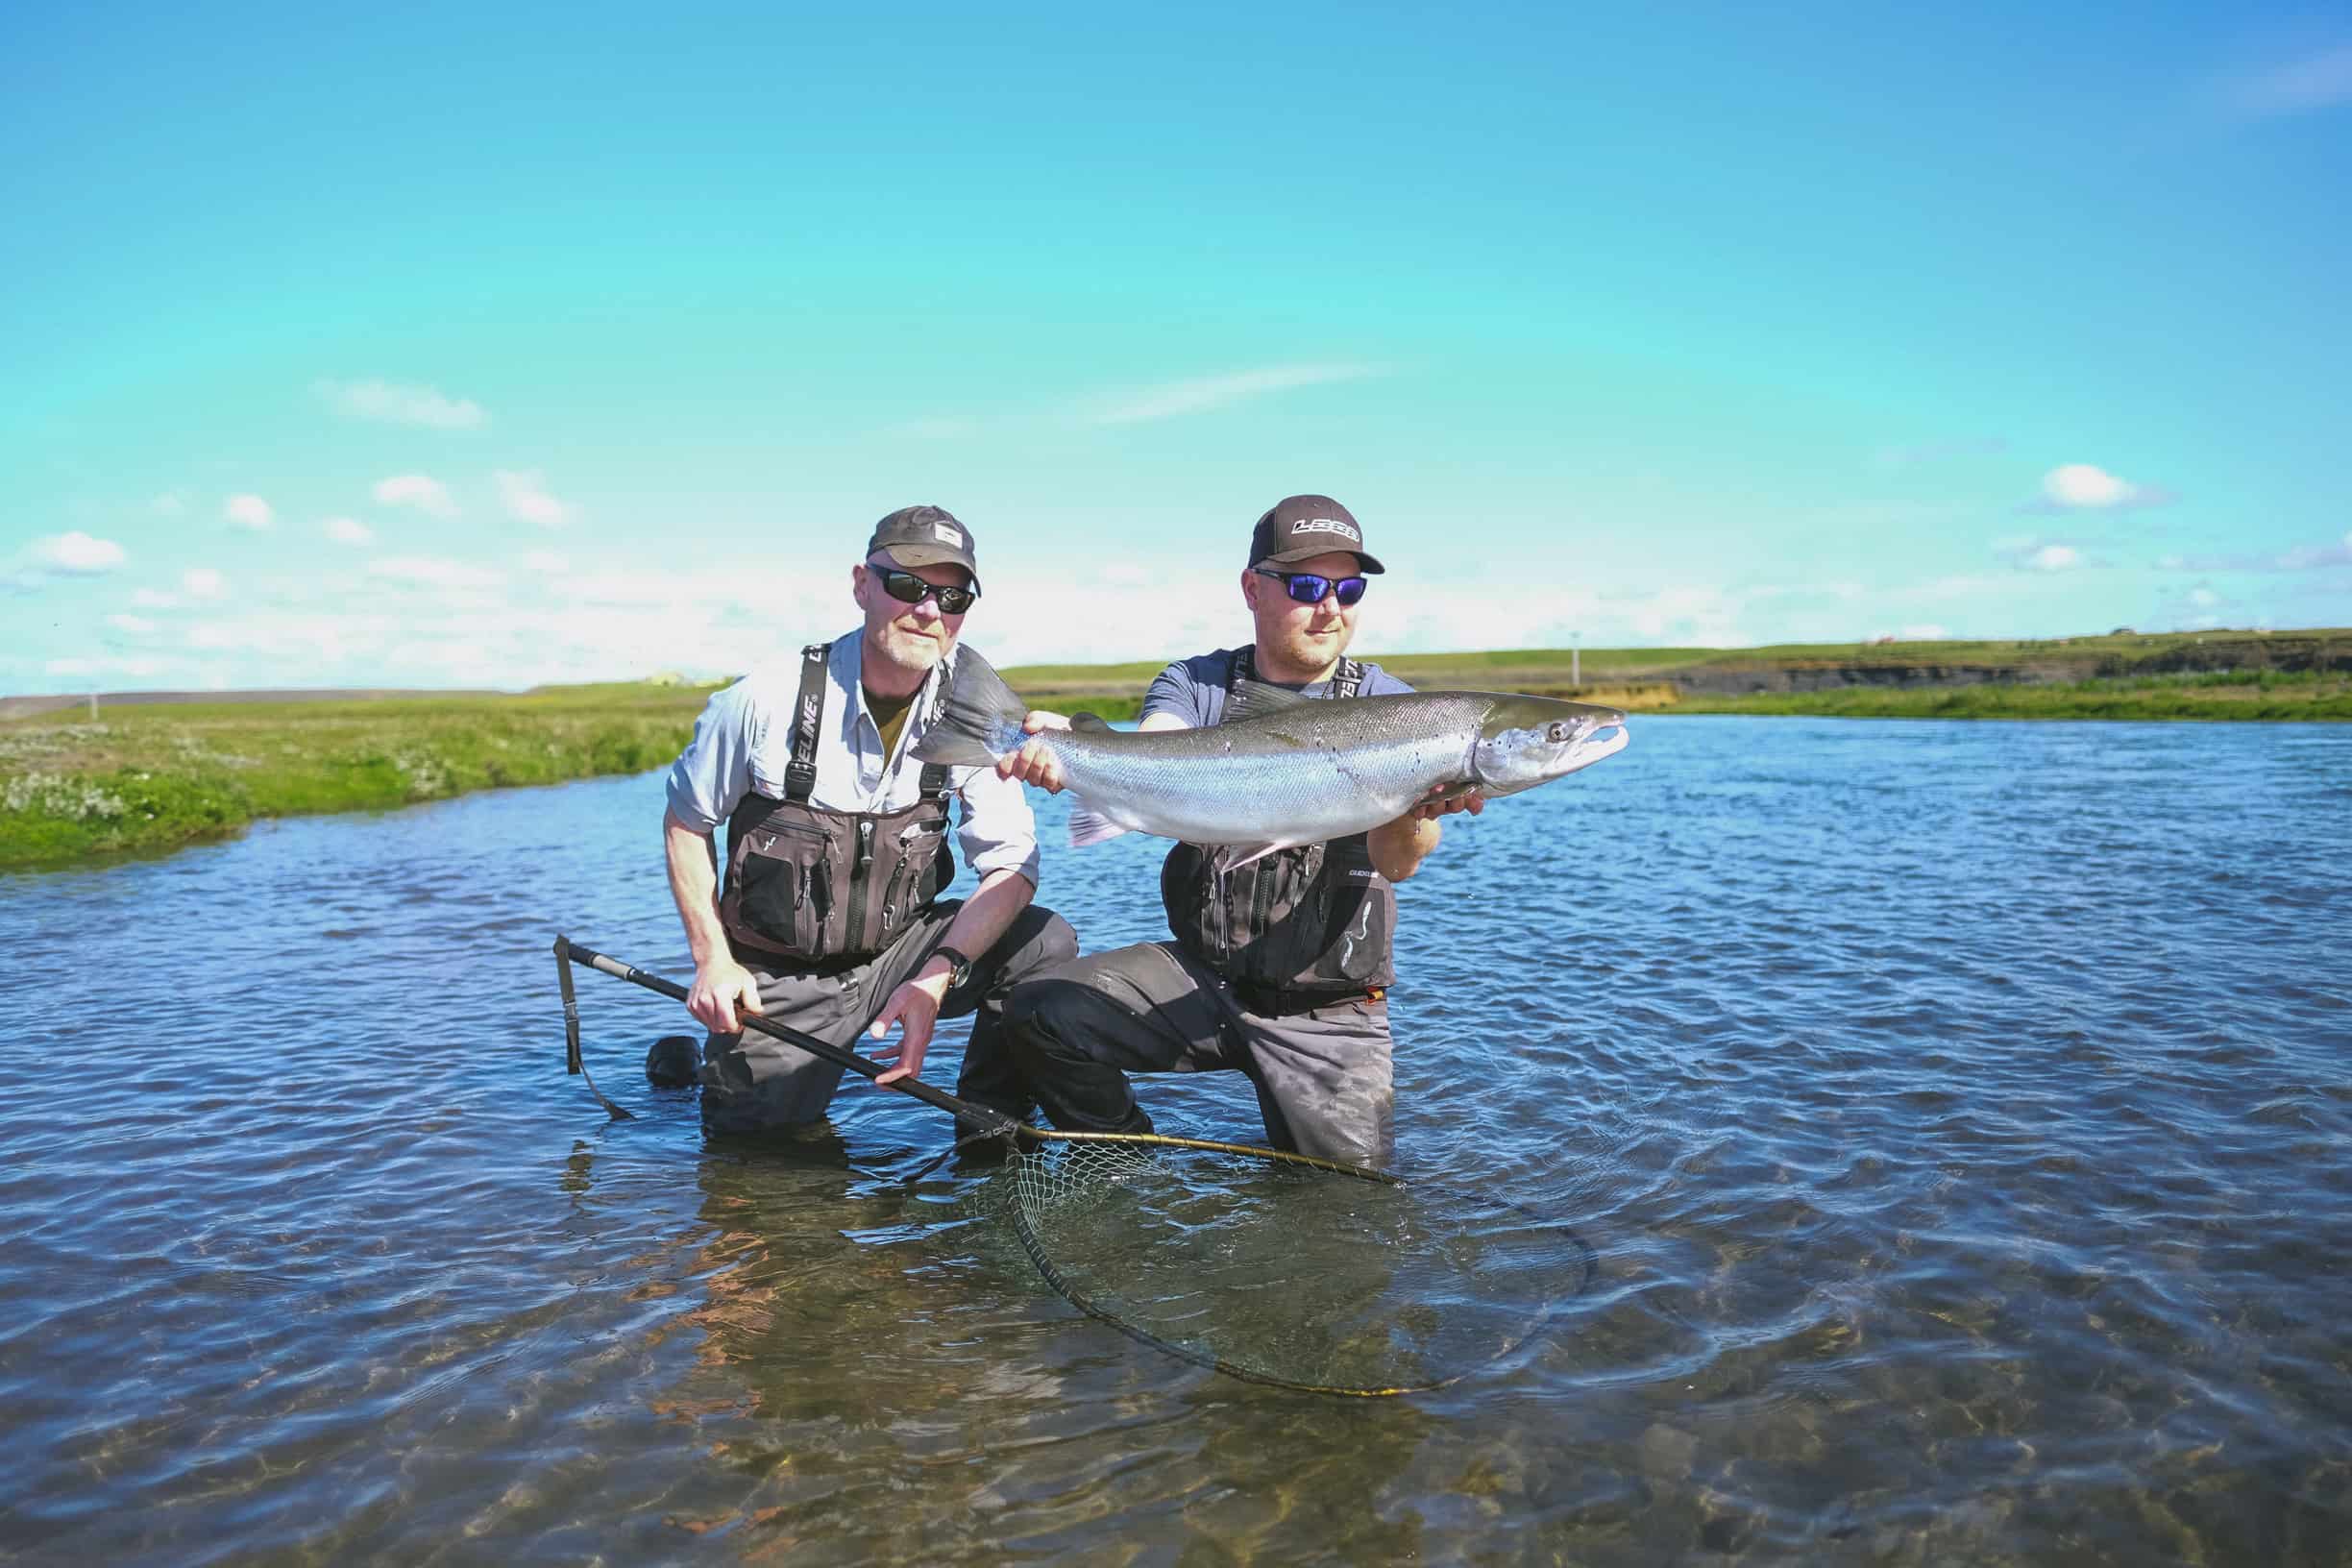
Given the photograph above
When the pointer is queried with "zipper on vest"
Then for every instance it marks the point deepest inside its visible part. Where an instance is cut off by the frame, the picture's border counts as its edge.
(855, 935)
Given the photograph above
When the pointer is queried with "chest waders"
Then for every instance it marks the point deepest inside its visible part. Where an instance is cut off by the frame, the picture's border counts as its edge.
(1298, 928)
(820, 889)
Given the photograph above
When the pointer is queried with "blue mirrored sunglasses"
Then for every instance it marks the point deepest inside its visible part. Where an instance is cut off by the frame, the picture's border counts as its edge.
(1313, 588)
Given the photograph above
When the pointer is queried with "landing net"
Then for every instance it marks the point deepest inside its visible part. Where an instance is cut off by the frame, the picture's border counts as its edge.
(1283, 1270)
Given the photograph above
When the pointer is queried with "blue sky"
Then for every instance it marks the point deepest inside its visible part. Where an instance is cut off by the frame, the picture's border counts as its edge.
(420, 347)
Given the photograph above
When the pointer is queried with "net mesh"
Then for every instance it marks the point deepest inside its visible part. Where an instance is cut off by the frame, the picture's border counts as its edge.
(1287, 1270)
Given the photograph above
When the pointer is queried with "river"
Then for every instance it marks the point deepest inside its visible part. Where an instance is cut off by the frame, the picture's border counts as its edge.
(1959, 1114)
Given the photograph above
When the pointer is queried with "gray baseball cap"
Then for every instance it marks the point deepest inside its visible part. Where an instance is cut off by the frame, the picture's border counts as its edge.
(1298, 526)
(925, 536)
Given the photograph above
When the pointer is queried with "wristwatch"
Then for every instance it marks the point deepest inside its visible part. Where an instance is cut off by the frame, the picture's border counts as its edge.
(960, 966)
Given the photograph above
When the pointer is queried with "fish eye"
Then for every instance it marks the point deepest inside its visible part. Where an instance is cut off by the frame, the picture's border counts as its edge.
(1558, 732)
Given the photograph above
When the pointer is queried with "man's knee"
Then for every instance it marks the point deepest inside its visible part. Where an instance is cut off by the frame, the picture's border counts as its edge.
(1052, 1003)
(1039, 940)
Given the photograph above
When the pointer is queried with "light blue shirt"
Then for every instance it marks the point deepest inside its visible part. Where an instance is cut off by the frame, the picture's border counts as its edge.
(743, 743)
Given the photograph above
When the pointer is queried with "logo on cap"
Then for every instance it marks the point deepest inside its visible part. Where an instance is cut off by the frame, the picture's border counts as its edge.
(1325, 524)
(946, 535)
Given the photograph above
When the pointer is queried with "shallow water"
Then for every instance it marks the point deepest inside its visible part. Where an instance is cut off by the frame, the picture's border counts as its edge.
(1960, 1114)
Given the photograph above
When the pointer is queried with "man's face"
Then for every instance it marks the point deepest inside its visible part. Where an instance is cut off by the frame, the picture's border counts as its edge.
(1300, 638)
(915, 636)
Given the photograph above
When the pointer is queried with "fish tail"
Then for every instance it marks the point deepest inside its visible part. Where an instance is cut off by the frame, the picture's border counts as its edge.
(978, 718)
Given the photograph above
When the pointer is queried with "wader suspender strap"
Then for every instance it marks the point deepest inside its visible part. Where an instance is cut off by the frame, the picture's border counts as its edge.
(800, 774)
(934, 780)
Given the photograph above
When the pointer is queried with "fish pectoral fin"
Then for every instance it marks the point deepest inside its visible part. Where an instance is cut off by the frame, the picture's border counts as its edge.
(1232, 857)
(1087, 825)
(1255, 700)
(1088, 720)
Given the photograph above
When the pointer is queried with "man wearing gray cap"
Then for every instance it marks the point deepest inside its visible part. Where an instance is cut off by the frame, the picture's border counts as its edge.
(827, 916)
(1280, 971)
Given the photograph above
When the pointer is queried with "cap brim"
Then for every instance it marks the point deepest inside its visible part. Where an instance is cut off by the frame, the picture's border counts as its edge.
(933, 556)
(1369, 565)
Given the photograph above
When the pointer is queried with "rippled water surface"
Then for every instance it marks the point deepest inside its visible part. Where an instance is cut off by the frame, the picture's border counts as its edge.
(1959, 1114)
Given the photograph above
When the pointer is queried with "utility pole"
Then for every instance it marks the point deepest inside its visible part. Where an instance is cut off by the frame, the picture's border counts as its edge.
(1576, 668)
(93, 696)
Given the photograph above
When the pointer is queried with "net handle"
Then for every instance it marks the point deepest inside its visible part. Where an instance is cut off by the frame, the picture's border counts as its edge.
(989, 1121)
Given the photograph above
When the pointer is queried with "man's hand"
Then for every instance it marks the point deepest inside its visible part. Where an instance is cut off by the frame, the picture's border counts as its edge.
(915, 1008)
(721, 987)
(1399, 847)
(1032, 764)
(1437, 803)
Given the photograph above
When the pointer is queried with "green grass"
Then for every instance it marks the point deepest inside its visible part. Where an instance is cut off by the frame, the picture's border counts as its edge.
(2272, 695)
(152, 776)
(148, 777)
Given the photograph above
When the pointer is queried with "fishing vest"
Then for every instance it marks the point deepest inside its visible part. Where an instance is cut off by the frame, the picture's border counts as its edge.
(824, 888)
(1301, 927)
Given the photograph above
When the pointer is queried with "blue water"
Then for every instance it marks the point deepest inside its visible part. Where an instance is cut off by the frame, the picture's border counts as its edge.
(1960, 1114)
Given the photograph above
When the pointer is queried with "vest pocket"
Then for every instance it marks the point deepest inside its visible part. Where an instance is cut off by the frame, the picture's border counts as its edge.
(777, 885)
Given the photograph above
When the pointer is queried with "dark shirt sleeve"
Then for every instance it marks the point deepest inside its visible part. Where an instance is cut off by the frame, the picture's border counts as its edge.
(1184, 689)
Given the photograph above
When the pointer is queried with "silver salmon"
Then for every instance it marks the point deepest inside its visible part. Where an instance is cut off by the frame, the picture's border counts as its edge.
(1281, 770)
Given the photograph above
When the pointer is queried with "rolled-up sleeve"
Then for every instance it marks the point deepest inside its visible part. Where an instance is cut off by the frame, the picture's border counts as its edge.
(714, 773)
(999, 831)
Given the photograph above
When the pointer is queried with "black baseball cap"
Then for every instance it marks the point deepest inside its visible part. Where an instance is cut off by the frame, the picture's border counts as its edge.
(1298, 526)
(925, 536)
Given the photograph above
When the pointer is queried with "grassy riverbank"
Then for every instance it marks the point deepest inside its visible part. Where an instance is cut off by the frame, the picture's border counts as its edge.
(2192, 675)
(150, 776)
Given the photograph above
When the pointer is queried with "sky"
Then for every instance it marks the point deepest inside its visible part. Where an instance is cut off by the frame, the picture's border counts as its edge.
(423, 347)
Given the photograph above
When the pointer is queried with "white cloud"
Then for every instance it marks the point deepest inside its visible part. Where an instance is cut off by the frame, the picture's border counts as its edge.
(524, 494)
(1928, 633)
(424, 493)
(348, 530)
(170, 504)
(148, 598)
(136, 625)
(2072, 487)
(2203, 598)
(391, 403)
(249, 512)
(1170, 398)
(203, 582)
(545, 562)
(433, 572)
(2054, 558)
(78, 553)
(2080, 484)
(2318, 81)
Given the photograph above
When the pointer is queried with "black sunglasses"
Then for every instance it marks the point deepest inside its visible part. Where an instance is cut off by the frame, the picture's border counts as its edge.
(911, 589)
(1311, 588)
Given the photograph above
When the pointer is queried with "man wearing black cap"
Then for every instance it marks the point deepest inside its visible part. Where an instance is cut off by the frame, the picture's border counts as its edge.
(827, 914)
(1280, 969)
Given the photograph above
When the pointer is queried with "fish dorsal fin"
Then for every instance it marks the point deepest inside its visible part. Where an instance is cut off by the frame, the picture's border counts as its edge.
(1088, 720)
(1256, 699)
